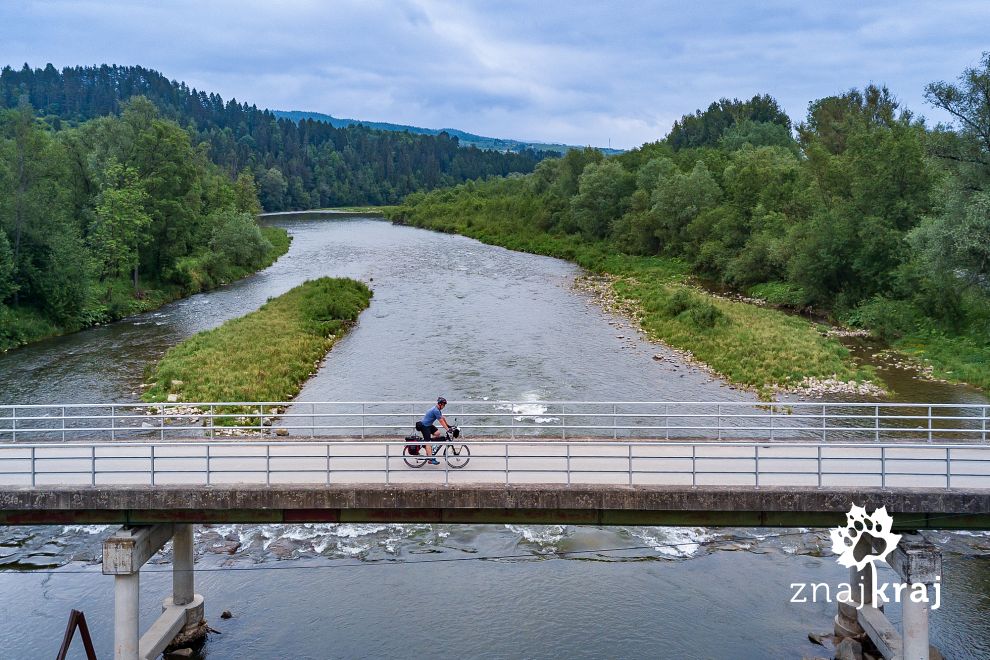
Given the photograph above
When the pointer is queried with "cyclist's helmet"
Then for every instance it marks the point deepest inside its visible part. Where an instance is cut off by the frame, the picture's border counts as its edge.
(441, 400)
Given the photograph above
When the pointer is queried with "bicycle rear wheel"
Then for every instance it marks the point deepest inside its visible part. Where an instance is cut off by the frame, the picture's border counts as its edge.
(457, 455)
(413, 460)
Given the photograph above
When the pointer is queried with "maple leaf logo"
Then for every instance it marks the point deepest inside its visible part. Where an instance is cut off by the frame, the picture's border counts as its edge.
(865, 538)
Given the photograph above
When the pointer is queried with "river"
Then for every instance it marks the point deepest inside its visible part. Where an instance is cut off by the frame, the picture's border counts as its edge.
(455, 317)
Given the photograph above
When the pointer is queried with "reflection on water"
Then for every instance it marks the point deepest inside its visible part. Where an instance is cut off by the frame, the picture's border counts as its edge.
(472, 322)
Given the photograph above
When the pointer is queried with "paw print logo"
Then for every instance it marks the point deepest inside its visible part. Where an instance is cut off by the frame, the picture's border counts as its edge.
(865, 538)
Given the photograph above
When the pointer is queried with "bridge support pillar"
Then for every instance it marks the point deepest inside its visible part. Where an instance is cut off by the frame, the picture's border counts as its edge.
(918, 565)
(184, 597)
(917, 562)
(124, 554)
(861, 583)
(126, 607)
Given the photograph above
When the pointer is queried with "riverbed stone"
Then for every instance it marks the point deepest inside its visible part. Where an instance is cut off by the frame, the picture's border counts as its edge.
(849, 649)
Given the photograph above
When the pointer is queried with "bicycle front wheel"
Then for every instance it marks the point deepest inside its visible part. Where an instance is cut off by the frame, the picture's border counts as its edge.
(457, 455)
(411, 459)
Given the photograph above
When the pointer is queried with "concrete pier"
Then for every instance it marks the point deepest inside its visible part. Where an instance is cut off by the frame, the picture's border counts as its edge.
(182, 564)
(861, 583)
(917, 563)
(126, 609)
(124, 554)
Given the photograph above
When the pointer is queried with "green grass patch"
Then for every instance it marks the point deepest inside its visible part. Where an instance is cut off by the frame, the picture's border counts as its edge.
(20, 325)
(754, 346)
(266, 355)
(783, 294)
(957, 359)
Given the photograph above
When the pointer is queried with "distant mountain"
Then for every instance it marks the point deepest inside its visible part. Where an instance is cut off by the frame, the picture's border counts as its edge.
(465, 139)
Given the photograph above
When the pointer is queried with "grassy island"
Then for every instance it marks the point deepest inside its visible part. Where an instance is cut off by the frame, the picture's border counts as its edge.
(266, 355)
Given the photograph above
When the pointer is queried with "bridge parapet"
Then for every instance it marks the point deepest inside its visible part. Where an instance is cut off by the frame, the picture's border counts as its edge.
(667, 420)
(486, 461)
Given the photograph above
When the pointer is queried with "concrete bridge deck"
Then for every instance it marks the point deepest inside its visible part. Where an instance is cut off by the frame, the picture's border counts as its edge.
(709, 483)
(587, 504)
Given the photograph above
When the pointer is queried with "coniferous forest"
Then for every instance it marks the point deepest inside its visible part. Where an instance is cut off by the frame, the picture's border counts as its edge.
(121, 190)
(304, 165)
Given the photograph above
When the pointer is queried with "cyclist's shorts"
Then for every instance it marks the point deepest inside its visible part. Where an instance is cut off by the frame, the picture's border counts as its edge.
(427, 431)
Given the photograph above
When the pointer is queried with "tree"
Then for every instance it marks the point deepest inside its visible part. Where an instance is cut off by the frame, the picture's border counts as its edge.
(603, 196)
(757, 134)
(871, 184)
(969, 105)
(238, 240)
(705, 129)
(272, 187)
(246, 193)
(7, 283)
(957, 242)
(48, 270)
(120, 226)
(677, 201)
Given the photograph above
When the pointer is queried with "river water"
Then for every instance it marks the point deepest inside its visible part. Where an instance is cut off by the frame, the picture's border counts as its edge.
(455, 317)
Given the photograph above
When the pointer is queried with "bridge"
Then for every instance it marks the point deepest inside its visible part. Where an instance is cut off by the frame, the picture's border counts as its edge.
(159, 468)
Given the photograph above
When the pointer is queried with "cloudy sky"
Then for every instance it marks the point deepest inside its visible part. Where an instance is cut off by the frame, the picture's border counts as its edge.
(579, 73)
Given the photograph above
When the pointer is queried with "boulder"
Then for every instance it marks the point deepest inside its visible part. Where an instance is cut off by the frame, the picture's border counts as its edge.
(849, 649)
(225, 547)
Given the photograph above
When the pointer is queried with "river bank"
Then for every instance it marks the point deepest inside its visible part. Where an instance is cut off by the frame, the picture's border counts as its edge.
(25, 326)
(757, 348)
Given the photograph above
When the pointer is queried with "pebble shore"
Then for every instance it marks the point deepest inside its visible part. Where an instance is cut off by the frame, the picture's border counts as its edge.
(602, 291)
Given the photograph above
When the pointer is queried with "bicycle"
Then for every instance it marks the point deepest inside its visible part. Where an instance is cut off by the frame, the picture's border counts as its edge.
(456, 455)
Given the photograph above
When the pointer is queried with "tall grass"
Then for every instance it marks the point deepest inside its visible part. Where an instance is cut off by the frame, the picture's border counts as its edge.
(266, 355)
(957, 359)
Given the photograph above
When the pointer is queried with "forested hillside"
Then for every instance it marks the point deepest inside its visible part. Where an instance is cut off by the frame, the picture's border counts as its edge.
(114, 216)
(862, 212)
(466, 139)
(300, 165)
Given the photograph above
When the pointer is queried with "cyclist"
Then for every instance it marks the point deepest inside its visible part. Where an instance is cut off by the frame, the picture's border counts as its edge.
(427, 426)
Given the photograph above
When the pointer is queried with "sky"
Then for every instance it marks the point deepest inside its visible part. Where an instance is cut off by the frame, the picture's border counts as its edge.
(586, 73)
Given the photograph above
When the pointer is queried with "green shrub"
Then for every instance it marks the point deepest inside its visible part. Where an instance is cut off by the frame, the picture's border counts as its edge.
(705, 315)
(681, 301)
(23, 325)
(785, 294)
(887, 319)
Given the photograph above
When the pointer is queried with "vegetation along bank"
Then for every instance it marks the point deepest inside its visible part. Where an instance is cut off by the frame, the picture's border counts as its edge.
(266, 355)
(113, 217)
(860, 212)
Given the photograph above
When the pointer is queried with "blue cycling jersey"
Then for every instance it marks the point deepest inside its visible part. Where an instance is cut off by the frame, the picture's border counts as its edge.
(431, 416)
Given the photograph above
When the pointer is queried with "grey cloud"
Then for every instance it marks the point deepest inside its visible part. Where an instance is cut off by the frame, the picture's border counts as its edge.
(557, 71)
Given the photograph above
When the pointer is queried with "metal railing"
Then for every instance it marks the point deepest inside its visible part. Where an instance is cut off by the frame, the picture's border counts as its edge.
(318, 462)
(716, 420)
